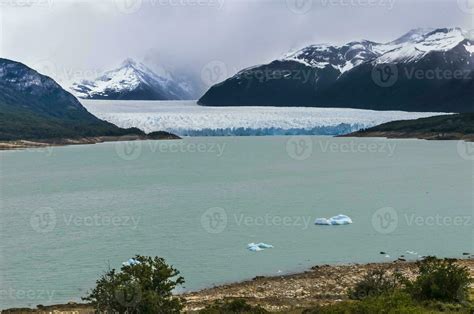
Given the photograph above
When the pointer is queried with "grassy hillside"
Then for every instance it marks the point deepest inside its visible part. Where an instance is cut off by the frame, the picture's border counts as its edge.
(26, 125)
(34, 106)
(457, 126)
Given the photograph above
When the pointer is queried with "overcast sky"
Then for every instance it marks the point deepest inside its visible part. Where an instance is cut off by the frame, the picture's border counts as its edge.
(85, 37)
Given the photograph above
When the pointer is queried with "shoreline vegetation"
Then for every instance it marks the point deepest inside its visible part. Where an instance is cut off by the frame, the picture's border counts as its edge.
(41, 143)
(322, 285)
(445, 127)
(35, 111)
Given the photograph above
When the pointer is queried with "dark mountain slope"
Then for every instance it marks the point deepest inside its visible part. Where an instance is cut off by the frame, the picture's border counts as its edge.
(33, 106)
(424, 70)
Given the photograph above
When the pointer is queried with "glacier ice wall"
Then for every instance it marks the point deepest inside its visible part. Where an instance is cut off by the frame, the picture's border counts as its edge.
(186, 118)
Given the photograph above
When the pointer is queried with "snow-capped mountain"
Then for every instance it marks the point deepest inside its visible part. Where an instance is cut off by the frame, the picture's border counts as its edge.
(433, 69)
(418, 43)
(133, 81)
(34, 106)
(410, 47)
(342, 58)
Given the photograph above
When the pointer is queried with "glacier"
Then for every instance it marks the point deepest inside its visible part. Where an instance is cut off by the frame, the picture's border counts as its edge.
(187, 118)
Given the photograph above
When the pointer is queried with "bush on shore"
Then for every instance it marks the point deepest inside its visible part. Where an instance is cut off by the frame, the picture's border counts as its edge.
(397, 302)
(440, 287)
(440, 280)
(238, 306)
(376, 282)
(145, 286)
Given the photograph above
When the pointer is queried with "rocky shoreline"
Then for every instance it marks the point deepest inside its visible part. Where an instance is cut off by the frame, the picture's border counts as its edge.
(41, 143)
(319, 285)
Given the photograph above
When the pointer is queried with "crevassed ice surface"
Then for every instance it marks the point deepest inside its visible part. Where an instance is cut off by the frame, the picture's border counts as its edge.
(186, 118)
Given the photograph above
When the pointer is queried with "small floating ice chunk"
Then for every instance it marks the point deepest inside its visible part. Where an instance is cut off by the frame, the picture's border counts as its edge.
(264, 245)
(340, 220)
(322, 221)
(255, 247)
(335, 221)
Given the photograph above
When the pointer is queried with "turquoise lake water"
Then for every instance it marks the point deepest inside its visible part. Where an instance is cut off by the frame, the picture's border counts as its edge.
(67, 213)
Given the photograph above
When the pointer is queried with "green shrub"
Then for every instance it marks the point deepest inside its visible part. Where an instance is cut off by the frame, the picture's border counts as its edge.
(374, 283)
(143, 287)
(441, 280)
(231, 307)
(396, 302)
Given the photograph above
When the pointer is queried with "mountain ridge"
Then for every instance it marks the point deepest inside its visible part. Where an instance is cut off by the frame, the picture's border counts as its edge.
(346, 76)
(34, 106)
(133, 80)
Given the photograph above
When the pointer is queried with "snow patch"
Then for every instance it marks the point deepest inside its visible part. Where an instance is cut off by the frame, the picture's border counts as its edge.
(128, 77)
(469, 48)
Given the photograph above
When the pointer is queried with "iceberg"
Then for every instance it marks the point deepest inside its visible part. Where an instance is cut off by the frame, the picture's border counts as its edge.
(255, 247)
(264, 245)
(334, 221)
(322, 221)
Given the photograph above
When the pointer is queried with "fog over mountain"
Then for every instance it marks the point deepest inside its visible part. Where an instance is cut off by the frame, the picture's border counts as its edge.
(207, 40)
